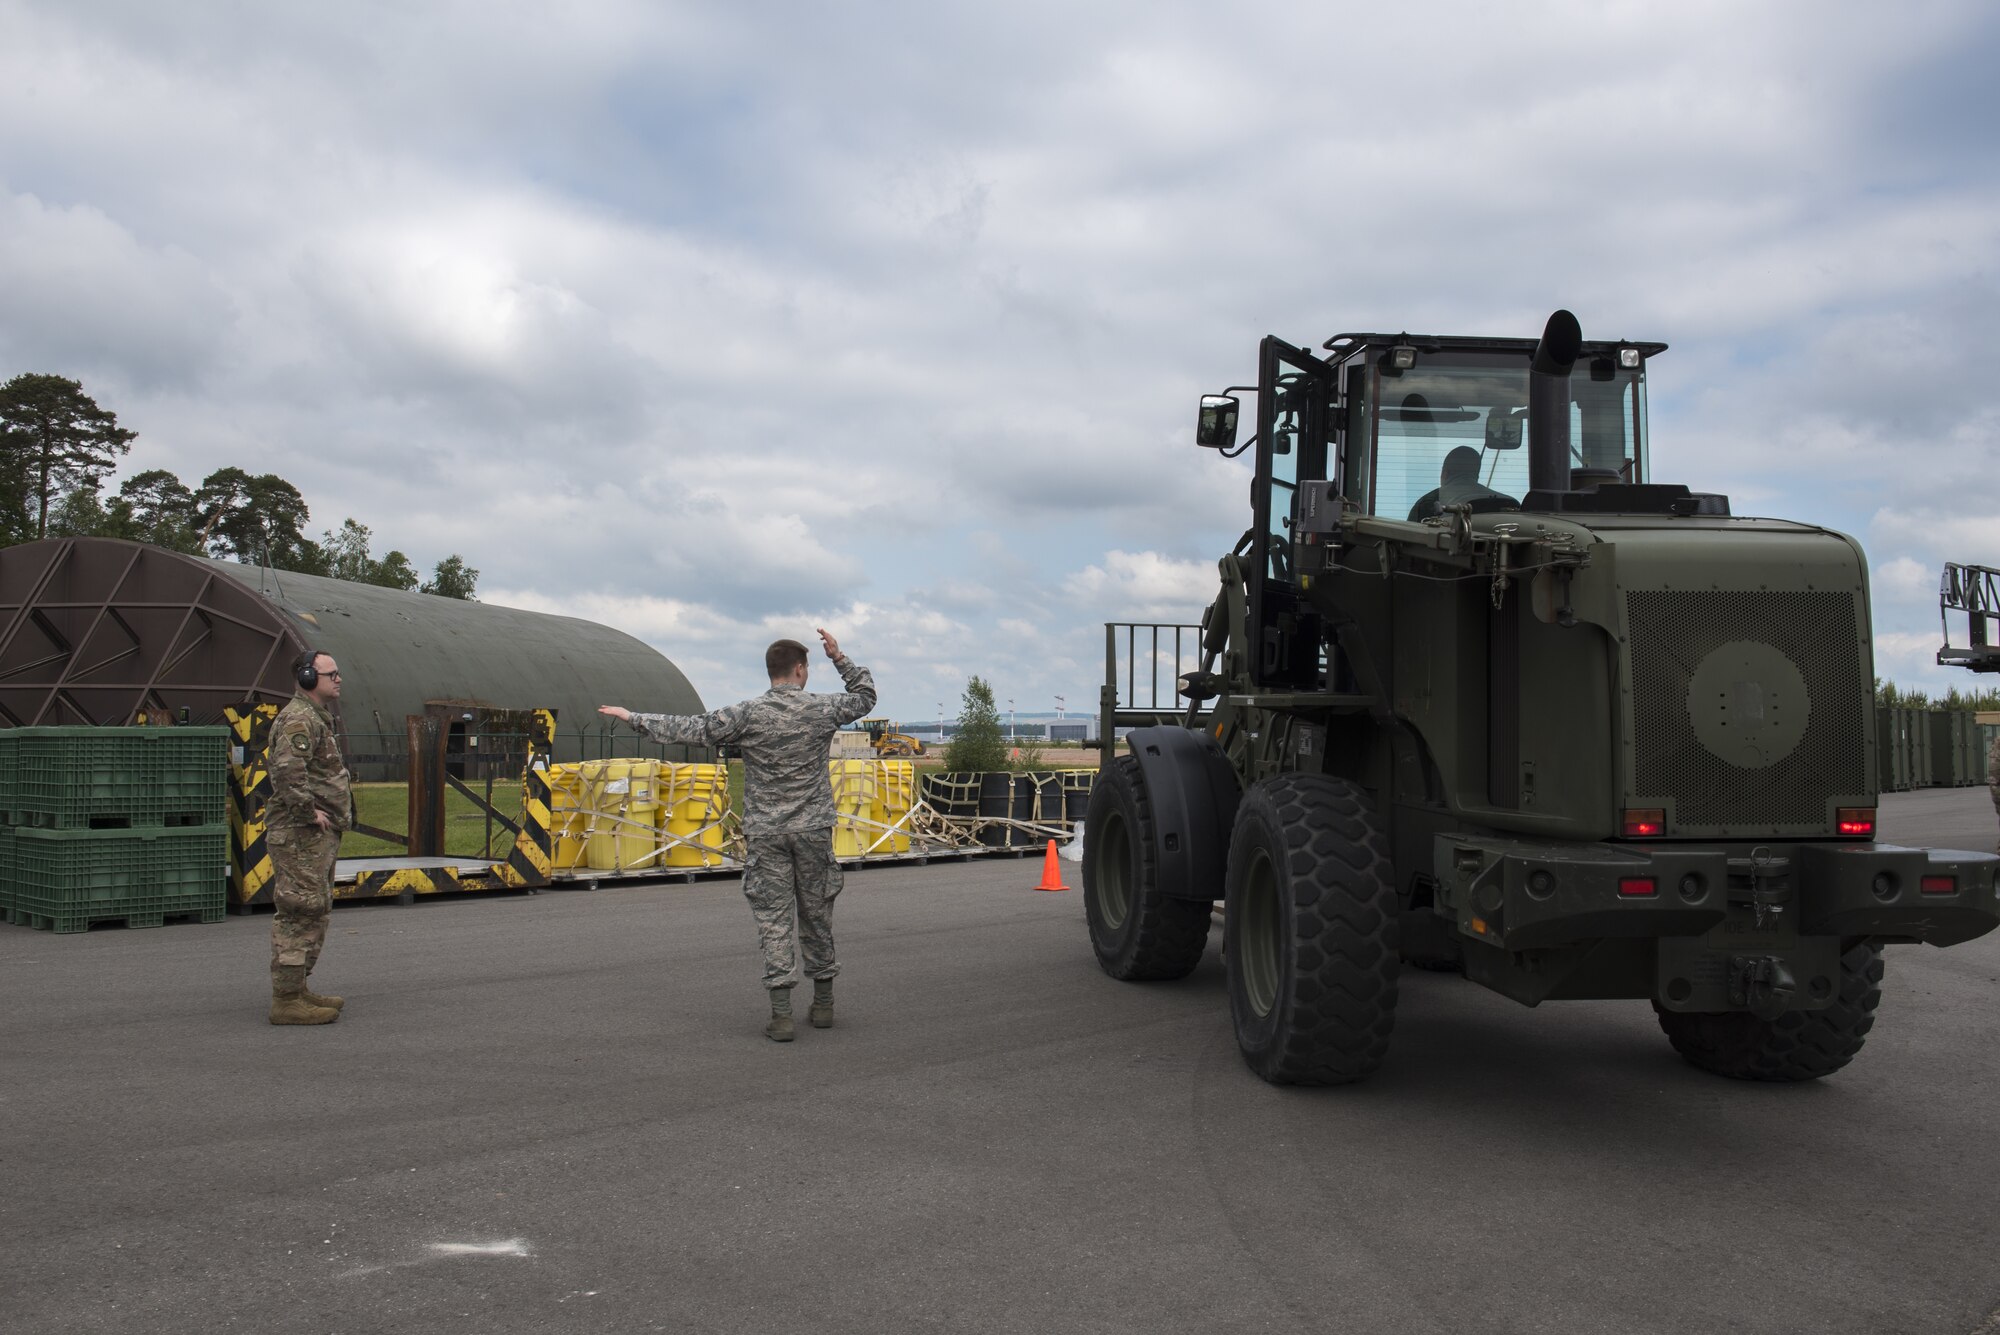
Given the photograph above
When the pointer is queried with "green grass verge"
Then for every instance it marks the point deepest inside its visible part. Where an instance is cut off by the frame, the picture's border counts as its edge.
(387, 806)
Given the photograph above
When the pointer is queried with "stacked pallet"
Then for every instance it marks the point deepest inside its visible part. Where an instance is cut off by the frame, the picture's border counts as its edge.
(112, 825)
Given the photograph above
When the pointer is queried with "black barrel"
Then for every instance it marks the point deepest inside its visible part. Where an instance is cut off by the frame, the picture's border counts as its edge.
(953, 796)
(996, 801)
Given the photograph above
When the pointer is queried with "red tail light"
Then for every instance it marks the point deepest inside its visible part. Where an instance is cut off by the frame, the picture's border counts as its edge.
(1938, 885)
(1855, 820)
(1632, 887)
(1644, 822)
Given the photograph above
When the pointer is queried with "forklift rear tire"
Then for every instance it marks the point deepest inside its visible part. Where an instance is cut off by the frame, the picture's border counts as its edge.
(1312, 933)
(1137, 933)
(1799, 1045)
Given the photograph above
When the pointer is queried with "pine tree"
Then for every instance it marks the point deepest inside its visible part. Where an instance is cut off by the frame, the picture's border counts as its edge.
(54, 440)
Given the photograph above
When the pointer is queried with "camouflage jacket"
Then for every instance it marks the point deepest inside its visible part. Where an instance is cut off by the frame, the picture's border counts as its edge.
(785, 735)
(306, 770)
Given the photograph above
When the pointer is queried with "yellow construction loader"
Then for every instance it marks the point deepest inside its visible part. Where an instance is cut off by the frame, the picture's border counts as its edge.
(888, 739)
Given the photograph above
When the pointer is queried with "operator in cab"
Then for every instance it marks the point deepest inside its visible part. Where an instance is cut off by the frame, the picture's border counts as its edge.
(1458, 481)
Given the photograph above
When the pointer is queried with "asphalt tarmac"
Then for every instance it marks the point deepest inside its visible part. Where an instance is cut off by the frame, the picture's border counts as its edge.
(558, 1112)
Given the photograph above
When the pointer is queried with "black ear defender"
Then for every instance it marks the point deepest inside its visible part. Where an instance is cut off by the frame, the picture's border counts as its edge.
(304, 668)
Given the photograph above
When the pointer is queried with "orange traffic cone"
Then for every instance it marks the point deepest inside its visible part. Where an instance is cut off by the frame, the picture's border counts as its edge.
(1051, 870)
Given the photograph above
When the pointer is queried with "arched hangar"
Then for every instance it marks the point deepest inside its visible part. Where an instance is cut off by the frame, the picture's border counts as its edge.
(98, 631)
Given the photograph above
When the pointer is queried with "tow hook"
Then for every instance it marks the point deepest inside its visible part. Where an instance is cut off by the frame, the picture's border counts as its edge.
(1763, 880)
(1761, 984)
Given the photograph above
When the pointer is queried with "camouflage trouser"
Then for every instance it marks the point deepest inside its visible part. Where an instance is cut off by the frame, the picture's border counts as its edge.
(302, 890)
(787, 873)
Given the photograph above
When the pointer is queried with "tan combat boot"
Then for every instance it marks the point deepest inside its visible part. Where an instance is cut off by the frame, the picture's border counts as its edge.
(779, 1030)
(821, 1013)
(288, 998)
(327, 1003)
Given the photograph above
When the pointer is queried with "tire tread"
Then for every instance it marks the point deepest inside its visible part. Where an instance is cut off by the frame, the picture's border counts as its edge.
(1167, 936)
(1799, 1045)
(1342, 1002)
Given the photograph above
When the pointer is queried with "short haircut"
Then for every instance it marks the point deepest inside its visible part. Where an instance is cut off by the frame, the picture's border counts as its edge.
(310, 658)
(783, 658)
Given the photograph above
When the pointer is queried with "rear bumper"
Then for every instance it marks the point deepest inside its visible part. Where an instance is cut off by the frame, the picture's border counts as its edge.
(1518, 895)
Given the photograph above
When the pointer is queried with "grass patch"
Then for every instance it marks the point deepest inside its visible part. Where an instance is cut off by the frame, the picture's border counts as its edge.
(387, 807)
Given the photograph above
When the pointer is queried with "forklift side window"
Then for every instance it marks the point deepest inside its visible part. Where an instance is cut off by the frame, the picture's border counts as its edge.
(1287, 437)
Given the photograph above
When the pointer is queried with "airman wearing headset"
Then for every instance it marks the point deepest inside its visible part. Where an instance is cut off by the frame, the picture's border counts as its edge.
(308, 810)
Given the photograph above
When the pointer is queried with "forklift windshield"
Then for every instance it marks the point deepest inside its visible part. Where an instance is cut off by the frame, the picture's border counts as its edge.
(1452, 429)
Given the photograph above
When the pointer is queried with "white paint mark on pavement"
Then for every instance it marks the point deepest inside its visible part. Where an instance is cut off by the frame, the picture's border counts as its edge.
(511, 1247)
(441, 1251)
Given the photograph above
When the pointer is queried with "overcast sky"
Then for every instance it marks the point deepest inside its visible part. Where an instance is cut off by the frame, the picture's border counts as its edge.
(718, 322)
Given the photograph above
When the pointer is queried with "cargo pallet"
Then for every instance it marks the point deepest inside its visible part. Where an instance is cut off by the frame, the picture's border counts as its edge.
(973, 816)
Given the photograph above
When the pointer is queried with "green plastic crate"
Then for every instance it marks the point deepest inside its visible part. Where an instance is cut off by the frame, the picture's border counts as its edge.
(6, 866)
(8, 766)
(65, 880)
(117, 778)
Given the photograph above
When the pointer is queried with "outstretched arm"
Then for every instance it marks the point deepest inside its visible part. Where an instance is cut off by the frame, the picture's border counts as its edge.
(724, 725)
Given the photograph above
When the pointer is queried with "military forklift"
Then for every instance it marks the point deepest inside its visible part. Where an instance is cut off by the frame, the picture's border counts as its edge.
(1477, 694)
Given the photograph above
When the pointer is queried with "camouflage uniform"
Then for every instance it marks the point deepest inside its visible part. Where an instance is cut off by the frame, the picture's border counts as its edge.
(784, 735)
(306, 776)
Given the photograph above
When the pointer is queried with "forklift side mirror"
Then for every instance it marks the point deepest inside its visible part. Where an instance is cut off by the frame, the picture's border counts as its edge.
(1215, 428)
(1503, 430)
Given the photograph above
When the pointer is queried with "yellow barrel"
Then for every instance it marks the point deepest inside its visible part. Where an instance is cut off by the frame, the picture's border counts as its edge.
(566, 820)
(853, 796)
(693, 801)
(895, 794)
(621, 814)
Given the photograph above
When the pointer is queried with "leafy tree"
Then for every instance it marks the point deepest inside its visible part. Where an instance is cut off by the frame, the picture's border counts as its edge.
(55, 440)
(1889, 696)
(347, 552)
(16, 524)
(156, 507)
(256, 519)
(393, 571)
(453, 578)
(79, 515)
(977, 745)
(348, 558)
(1030, 754)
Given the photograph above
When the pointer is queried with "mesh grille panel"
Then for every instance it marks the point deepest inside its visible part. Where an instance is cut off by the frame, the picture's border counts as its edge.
(1671, 633)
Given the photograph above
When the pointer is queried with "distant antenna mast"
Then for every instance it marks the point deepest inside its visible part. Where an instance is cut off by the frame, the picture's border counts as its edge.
(264, 552)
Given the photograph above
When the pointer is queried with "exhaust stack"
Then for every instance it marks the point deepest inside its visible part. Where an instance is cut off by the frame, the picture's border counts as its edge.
(1548, 403)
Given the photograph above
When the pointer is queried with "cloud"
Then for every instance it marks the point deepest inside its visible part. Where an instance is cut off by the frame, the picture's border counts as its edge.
(1148, 585)
(727, 321)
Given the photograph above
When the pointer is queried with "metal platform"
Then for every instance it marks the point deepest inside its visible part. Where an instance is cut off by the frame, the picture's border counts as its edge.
(347, 869)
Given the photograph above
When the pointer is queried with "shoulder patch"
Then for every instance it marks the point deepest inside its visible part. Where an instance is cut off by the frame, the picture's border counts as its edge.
(299, 742)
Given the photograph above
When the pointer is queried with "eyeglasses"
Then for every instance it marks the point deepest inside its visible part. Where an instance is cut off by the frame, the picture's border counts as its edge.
(331, 676)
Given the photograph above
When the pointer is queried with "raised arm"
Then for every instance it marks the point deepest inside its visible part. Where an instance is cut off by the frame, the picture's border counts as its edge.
(859, 699)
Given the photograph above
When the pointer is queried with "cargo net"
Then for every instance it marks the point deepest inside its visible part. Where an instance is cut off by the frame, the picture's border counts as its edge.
(641, 815)
(1004, 810)
(648, 815)
(885, 809)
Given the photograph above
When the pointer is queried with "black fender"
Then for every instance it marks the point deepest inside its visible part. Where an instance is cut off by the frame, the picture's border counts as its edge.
(1193, 791)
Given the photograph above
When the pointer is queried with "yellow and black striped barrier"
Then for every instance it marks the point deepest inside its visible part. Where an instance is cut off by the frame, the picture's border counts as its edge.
(249, 789)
